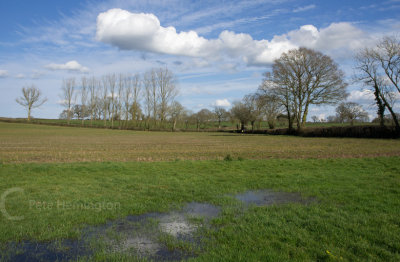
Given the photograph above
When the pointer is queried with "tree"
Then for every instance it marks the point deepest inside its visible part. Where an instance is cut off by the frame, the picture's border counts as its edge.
(68, 91)
(242, 112)
(135, 111)
(379, 69)
(175, 111)
(221, 114)
(351, 112)
(203, 116)
(31, 98)
(84, 94)
(104, 99)
(315, 119)
(167, 91)
(255, 108)
(150, 98)
(93, 98)
(127, 98)
(303, 77)
(112, 104)
(270, 104)
(331, 119)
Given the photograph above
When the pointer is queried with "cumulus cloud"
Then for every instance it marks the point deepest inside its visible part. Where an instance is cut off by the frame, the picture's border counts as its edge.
(3, 73)
(222, 102)
(70, 66)
(364, 96)
(335, 36)
(143, 32)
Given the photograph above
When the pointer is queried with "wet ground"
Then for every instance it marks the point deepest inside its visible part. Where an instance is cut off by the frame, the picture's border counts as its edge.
(268, 197)
(152, 235)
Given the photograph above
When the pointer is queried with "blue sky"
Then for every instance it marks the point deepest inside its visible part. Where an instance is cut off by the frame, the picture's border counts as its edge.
(217, 49)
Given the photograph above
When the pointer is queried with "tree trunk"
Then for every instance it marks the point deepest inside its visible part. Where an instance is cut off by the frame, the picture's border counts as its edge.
(304, 119)
(173, 128)
(29, 114)
(381, 107)
(396, 122)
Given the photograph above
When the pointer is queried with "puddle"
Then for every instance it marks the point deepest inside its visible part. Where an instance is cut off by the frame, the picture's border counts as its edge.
(139, 236)
(43, 251)
(143, 236)
(268, 197)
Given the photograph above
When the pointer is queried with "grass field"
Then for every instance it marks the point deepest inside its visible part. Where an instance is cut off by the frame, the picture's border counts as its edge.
(356, 184)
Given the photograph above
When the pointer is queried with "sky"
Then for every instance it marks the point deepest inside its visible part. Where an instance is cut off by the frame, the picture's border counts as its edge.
(218, 50)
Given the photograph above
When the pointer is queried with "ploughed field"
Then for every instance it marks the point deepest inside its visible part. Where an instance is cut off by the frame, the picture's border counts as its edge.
(26, 143)
(108, 195)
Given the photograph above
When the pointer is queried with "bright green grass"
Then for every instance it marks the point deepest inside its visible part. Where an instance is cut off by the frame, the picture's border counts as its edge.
(356, 216)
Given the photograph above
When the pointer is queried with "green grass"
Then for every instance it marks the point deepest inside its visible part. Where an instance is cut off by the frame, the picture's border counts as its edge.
(115, 173)
(355, 217)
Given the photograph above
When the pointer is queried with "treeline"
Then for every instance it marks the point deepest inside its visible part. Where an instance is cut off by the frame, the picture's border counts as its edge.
(303, 77)
(143, 101)
(299, 79)
(148, 99)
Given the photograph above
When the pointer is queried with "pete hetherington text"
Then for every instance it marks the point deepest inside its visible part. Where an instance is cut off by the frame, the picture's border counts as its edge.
(68, 205)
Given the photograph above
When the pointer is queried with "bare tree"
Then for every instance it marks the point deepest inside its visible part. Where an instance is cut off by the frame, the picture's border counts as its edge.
(112, 82)
(255, 109)
(93, 97)
(315, 119)
(379, 69)
(135, 111)
(351, 112)
(175, 111)
(167, 91)
(127, 98)
(118, 99)
(282, 97)
(31, 98)
(150, 96)
(201, 117)
(68, 96)
(104, 100)
(135, 89)
(241, 112)
(303, 77)
(271, 104)
(387, 53)
(221, 114)
(84, 94)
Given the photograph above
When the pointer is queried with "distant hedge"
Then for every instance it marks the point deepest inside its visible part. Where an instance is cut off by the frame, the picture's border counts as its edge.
(336, 131)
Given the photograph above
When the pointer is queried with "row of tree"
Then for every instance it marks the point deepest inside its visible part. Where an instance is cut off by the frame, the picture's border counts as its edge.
(304, 77)
(299, 79)
(118, 98)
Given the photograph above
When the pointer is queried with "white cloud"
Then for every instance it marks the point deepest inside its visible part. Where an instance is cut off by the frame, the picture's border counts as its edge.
(362, 97)
(304, 8)
(222, 102)
(335, 36)
(139, 31)
(143, 32)
(3, 73)
(70, 66)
